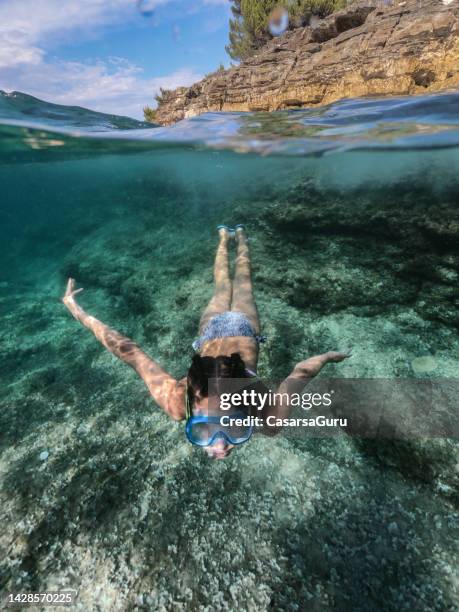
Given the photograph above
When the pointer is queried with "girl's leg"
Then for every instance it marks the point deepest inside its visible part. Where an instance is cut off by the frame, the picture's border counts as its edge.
(221, 300)
(243, 299)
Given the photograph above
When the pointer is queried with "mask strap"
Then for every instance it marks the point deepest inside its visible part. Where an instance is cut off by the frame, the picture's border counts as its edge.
(187, 404)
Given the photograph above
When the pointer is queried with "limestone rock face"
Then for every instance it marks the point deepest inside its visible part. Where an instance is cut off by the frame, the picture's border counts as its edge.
(369, 48)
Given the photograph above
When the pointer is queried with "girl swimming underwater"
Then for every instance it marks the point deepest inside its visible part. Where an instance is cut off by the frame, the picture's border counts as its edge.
(227, 348)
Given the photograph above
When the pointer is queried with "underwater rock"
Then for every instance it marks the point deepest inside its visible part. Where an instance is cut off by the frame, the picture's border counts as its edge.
(364, 257)
(367, 48)
(424, 365)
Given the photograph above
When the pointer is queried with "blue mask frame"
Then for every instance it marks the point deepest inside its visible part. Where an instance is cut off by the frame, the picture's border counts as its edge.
(224, 433)
(220, 433)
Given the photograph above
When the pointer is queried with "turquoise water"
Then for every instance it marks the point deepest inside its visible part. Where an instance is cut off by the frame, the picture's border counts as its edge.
(352, 213)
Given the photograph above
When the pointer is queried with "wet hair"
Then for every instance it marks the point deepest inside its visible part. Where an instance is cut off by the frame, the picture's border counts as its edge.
(203, 369)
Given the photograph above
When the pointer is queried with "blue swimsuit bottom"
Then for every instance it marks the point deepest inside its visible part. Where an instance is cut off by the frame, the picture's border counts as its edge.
(226, 325)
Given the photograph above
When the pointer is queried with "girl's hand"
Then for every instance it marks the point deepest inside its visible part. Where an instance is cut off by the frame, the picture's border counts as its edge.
(312, 366)
(336, 356)
(70, 292)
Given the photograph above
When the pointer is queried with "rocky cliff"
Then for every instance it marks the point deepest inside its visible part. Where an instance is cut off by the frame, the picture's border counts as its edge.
(370, 48)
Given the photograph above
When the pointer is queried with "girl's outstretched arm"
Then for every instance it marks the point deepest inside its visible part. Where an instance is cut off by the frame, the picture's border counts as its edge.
(295, 382)
(165, 390)
(307, 369)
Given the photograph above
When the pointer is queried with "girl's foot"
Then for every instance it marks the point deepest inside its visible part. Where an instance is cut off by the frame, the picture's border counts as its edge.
(225, 231)
(239, 230)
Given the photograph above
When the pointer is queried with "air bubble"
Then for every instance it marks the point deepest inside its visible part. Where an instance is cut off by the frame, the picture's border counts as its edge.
(278, 21)
(147, 7)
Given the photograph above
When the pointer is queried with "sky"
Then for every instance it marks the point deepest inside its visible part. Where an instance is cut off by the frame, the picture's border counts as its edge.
(109, 55)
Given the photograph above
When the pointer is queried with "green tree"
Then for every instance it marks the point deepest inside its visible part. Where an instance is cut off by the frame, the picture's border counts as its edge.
(149, 114)
(249, 24)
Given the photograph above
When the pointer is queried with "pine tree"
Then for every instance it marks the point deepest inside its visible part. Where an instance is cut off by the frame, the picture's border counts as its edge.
(240, 43)
(249, 25)
(248, 28)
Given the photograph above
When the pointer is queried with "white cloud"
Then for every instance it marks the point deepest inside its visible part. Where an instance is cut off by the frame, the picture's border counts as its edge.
(29, 27)
(32, 22)
(16, 49)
